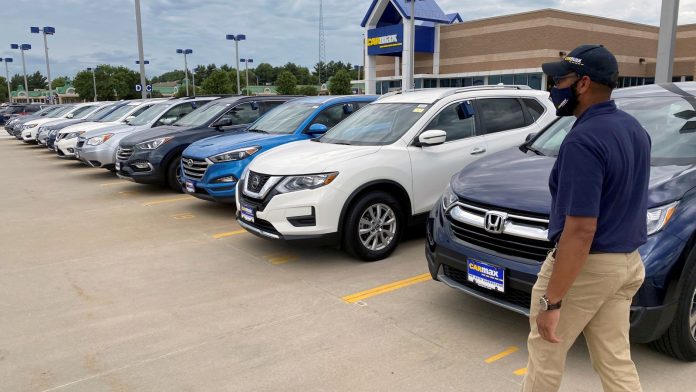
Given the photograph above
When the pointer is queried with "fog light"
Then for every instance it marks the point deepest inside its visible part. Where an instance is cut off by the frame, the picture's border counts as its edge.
(141, 165)
(226, 179)
(71, 150)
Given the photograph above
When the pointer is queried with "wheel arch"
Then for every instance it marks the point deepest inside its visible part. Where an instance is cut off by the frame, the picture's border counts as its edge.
(389, 186)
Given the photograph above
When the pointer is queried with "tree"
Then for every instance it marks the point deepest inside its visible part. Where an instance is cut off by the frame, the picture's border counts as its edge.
(339, 84)
(218, 82)
(266, 73)
(171, 76)
(34, 81)
(60, 81)
(112, 83)
(307, 90)
(286, 83)
(3, 89)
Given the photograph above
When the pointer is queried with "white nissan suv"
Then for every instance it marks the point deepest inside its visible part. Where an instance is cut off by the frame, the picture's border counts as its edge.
(384, 167)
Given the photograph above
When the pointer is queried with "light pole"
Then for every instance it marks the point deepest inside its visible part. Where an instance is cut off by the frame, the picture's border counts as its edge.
(141, 54)
(94, 82)
(412, 47)
(236, 39)
(246, 71)
(146, 62)
(7, 78)
(22, 48)
(47, 30)
(185, 52)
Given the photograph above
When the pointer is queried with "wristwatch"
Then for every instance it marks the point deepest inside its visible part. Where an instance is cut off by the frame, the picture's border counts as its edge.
(546, 305)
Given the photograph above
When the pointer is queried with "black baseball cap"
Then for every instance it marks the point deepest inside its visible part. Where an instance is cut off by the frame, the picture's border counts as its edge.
(594, 61)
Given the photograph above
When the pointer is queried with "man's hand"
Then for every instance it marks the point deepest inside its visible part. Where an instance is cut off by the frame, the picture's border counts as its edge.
(547, 321)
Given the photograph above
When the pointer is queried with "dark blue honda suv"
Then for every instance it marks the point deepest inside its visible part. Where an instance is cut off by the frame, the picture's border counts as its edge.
(488, 235)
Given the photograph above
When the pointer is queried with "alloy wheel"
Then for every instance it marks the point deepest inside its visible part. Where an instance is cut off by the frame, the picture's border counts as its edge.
(377, 227)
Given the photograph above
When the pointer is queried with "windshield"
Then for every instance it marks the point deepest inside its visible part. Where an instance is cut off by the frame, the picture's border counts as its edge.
(83, 111)
(202, 115)
(101, 112)
(150, 114)
(63, 111)
(670, 121)
(46, 111)
(376, 124)
(284, 118)
(118, 113)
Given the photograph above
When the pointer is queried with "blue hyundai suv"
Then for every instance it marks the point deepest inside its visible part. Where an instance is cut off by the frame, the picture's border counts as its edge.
(212, 166)
(499, 264)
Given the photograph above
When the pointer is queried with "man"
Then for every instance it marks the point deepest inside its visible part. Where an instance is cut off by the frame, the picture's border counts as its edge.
(599, 187)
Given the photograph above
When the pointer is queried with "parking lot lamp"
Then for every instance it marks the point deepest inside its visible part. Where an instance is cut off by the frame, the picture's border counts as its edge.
(236, 39)
(185, 52)
(22, 48)
(94, 82)
(47, 30)
(141, 53)
(145, 62)
(7, 78)
(246, 71)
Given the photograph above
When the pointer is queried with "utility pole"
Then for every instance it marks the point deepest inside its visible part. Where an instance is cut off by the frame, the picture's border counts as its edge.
(141, 55)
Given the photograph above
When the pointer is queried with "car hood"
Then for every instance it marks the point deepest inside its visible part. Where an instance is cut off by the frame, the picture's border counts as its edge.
(61, 123)
(307, 157)
(39, 121)
(115, 129)
(86, 126)
(514, 180)
(153, 133)
(226, 142)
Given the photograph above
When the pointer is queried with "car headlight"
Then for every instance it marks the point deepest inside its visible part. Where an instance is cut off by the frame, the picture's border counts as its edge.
(97, 140)
(301, 183)
(153, 144)
(73, 135)
(659, 216)
(448, 198)
(235, 155)
(27, 126)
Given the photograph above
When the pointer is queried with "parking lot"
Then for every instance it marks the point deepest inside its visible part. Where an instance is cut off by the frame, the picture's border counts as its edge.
(106, 285)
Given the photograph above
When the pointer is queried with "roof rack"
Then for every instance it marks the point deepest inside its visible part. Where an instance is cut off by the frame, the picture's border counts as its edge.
(487, 87)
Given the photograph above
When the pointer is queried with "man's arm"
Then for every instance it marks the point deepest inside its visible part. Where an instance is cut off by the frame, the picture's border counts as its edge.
(571, 255)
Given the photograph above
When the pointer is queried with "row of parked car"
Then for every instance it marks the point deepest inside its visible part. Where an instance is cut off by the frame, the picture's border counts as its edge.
(471, 164)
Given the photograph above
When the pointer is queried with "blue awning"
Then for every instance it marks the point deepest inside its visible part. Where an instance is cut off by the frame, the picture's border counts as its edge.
(426, 10)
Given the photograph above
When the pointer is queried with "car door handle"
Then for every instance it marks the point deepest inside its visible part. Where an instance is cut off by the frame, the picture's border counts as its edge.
(478, 150)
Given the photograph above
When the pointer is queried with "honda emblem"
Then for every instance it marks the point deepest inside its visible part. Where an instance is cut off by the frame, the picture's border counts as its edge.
(494, 222)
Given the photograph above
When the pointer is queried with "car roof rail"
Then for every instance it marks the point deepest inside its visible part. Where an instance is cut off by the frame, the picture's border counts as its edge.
(487, 87)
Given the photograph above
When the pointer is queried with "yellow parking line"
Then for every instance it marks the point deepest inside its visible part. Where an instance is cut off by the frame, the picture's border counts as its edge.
(183, 215)
(496, 357)
(228, 234)
(353, 298)
(520, 372)
(115, 183)
(281, 259)
(162, 201)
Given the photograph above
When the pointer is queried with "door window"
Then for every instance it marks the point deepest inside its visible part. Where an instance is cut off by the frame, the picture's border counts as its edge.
(501, 114)
(453, 121)
(330, 116)
(534, 108)
(241, 114)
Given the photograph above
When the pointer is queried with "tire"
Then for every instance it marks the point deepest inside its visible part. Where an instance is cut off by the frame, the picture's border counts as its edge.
(361, 216)
(679, 341)
(174, 174)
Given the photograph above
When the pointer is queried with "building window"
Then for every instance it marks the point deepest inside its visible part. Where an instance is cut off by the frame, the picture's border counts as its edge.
(689, 78)
(520, 79)
(429, 83)
(494, 79)
(478, 80)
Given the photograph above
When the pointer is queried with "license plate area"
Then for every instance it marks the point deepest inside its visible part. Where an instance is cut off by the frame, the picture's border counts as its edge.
(247, 212)
(486, 275)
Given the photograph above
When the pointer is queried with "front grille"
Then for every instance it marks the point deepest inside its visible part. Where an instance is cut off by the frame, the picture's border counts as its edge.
(124, 153)
(512, 295)
(194, 168)
(254, 185)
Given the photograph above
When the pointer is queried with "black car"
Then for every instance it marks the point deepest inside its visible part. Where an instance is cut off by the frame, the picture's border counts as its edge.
(18, 110)
(152, 156)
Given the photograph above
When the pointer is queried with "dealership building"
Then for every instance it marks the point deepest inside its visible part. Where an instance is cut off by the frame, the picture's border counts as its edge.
(506, 49)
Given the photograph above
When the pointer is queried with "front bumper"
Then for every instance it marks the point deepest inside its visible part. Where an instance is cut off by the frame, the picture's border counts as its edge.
(207, 188)
(66, 147)
(102, 155)
(303, 215)
(29, 135)
(138, 168)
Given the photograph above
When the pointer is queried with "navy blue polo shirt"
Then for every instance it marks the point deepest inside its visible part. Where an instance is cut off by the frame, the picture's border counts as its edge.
(602, 171)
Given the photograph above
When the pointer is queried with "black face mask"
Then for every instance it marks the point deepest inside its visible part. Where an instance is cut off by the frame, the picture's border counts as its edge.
(564, 99)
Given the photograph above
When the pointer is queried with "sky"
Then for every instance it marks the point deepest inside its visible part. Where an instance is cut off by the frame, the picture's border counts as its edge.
(91, 32)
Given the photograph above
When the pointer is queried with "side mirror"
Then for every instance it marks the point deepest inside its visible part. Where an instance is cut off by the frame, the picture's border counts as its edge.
(348, 108)
(466, 110)
(129, 119)
(71, 115)
(254, 105)
(530, 137)
(223, 122)
(432, 137)
(317, 129)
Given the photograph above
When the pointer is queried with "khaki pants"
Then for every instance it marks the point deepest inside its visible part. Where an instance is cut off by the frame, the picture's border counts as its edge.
(597, 305)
